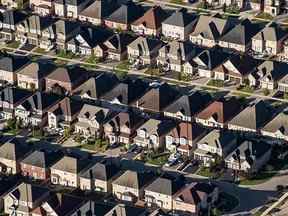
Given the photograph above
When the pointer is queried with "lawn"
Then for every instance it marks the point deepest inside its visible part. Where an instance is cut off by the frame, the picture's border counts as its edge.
(258, 179)
(264, 15)
(98, 145)
(153, 71)
(120, 73)
(205, 171)
(124, 65)
(245, 88)
(66, 54)
(40, 50)
(158, 159)
(13, 44)
(216, 83)
(177, 2)
(92, 60)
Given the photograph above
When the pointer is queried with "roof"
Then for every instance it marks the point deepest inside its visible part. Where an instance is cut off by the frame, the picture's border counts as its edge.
(119, 42)
(67, 74)
(272, 70)
(12, 63)
(12, 17)
(66, 27)
(160, 127)
(153, 18)
(14, 150)
(180, 18)
(278, 123)
(146, 44)
(93, 113)
(14, 95)
(36, 23)
(190, 131)
(37, 70)
(125, 210)
(254, 116)
(100, 9)
(221, 110)
(70, 164)
(41, 159)
(132, 179)
(126, 13)
(100, 171)
(67, 107)
(271, 32)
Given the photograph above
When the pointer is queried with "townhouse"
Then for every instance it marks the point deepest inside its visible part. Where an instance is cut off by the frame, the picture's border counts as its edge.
(42, 7)
(69, 8)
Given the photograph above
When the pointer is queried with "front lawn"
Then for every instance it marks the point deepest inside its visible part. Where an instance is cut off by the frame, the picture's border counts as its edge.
(216, 83)
(257, 179)
(265, 16)
(153, 71)
(245, 88)
(177, 2)
(158, 159)
(13, 44)
(66, 54)
(206, 172)
(40, 50)
(97, 145)
(92, 60)
(124, 65)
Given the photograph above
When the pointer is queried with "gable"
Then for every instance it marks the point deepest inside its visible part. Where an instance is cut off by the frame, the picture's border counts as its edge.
(229, 66)
(198, 61)
(82, 41)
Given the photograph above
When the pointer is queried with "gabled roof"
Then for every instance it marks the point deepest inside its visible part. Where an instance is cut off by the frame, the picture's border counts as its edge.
(254, 116)
(41, 159)
(272, 70)
(100, 171)
(94, 112)
(100, 9)
(13, 150)
(278, 123)
(146, 44)
(12, 17)
(153, 18)
(190, 131)
(67, 107)
(37, 70)
(180, 18)
(125, 210)
(272, 32)
(66, 27)
(126, 13)
(119, 41)
(67, 74)
(160, 127)
(12, 63)
(218, 139)
(37, 22)
(221, 110)
(70, 164)
(133, 179)
(14, 95)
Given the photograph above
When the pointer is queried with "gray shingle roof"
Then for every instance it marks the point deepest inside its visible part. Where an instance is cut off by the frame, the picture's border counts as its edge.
(132, 179)
(278, 123)
(13, 150)
(272, 32)
(70, 164)
(180, 18)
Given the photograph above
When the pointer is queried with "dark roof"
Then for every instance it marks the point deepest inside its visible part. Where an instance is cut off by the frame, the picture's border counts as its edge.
(126, 210)
(13, 149)
(100, 9)
(14, 95)
(271, 32)
(37, 70)
(12, 63)
(272, 70)
(68, 74)
(67, 107)
(67, 27)
(70, 164)
(41, 158)
(12, 17)
(181, 18)
(29, 193)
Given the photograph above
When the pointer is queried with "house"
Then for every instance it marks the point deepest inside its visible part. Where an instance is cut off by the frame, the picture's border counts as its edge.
(32, 76)
(240, 36)
(194, 198)
(270, 73)
(144, 51)
(65, 80)
(272, 7)
(130, 185)
(277, 126)
(150, 22)
(283, 84)
(157, 98)
(179, 25)
(10, 98)
(25, 199)
(10, 65)
(115, 47)
(236, 69)
(97, 11)
(10, 4)
(249, 156)
(63, 113)
(91, 120)
(153, 132)
(95, 87)
(209, 29)
(11, 154)
(69, 8)
(37, 164)
(215, 144)
(173, 55)
(160, 192)
(205, 62)
(252, 118)
(42, 7)
(122, 209)
(67, 170)
(269, 40)
(126, 92)
(124, 16)
(99, 177)
(219, 112)
(33, 111)
(183, 138)
(6, 186)
(122, 127)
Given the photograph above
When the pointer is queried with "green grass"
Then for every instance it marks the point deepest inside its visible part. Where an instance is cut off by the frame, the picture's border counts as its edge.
(13, 44)
(245, 88)
(205, 171)
(258, 179)
(124, 65)
(92, 60)
(66, 54)
(265, 16)
(153, 71)
(158, 161)
(121, 74)
(95, 145)
(40, 50)
(177, 2)
(216, 83)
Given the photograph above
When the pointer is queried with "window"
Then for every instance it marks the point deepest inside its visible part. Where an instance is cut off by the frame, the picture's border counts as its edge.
(183, 141)
(169, 140)
(142, 133)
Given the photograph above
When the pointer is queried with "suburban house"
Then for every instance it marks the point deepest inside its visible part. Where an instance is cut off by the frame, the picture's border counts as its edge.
(122, 127)
(157, 98)
(209, 29)
(69, 8)
(10, 4)
(33, 111)
(64, 113)
(97, 11)
(67, 170)
(240, 36)
(37, 164)
(249, 156)
(150, 22)
(95, 87)
(236, 69)
(183, 137)
(10, 65)
(219, 112)
(124, 16)
(283, 84)
(144, 50)
(160, 192)
(277, 127)
(99, 177)
(25, 199)
(215, 144)
(194, 198)
(91, 120)
(32, 76)
(130, 185)
(252, 118)
(11, 154)
(179, 25)
(173, 55)
(127, 210)
(10, 98)
(269, 40)
(153, 132)
(64, 80)
(42, 7)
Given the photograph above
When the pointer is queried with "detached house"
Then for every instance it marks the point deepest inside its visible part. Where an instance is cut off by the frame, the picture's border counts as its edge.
(42, 7)
(69, 8)
(249, 156)
(124, 16)
(11, 154)
(179, 25)
(219, 112)
(144, 51)
(215, 144)
(66, 171)
(252, 118)
(270, 39)
(130, 185)
(150, 22)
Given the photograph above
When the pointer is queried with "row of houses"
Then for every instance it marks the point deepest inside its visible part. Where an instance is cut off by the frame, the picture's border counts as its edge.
(104, 177)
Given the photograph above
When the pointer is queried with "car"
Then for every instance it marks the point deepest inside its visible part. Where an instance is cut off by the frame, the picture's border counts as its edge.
(132, 148)
(170, 163)
(114, 145)
(138, 150)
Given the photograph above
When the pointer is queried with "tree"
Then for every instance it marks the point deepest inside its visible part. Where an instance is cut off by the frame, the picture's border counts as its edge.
(67, 132)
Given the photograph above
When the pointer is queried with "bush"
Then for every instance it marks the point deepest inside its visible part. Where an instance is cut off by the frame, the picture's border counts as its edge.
(266, 91)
